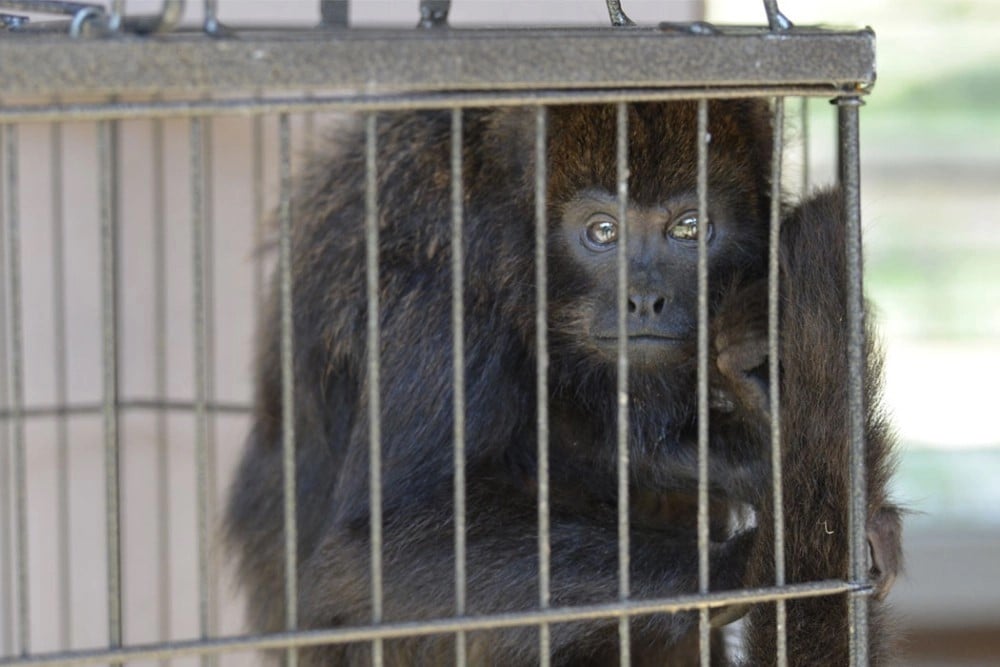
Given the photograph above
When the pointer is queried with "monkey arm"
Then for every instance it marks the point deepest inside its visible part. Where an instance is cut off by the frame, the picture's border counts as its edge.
(418, 574)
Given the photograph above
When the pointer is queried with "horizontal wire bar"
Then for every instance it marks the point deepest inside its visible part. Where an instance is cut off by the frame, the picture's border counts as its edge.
(387, 102)
(285, 640)
(139, 404)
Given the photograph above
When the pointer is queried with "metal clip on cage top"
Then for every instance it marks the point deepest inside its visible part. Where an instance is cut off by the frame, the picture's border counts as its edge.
(434, 13)
(12, 21)
(94, 20)
(617, 14)
(83, 16)
(776, 21)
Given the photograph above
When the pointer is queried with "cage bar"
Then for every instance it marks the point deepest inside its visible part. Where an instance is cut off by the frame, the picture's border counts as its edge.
(702, 139)
(201, 413)
(141, 404)
(542, 378)
(381, 631)
(109, 174)
(774, 372)
(377, 102)
(7, 549)
(7, 482)
(806, 175)
(160, 374)
(850, 183)
(287, 384)
(59, 352)
(624, 650)
(458, 377)
(374, 373)
(211, 430)
(17, 385)
(257, 179)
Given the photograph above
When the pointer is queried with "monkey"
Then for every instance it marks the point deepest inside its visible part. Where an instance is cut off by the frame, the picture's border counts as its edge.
(815, 447)
(331, 385)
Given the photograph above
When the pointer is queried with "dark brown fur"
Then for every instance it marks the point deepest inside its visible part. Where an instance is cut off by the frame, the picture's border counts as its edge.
(815, 451)
(416, 392)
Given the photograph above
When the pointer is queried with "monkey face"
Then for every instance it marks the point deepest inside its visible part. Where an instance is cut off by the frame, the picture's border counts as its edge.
(662, 262)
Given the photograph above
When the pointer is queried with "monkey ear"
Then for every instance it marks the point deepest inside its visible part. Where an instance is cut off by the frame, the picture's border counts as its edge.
(885, 549)
(510, 142)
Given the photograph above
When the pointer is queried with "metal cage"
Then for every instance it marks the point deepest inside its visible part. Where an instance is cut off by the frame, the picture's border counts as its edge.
(121, 76)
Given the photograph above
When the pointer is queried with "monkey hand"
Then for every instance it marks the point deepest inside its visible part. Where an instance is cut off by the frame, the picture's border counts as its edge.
(740, 346)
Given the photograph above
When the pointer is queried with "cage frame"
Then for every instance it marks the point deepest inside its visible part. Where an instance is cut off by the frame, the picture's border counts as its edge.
(132, 77)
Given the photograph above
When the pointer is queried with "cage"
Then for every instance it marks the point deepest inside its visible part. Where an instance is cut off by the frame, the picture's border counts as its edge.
(128, 312)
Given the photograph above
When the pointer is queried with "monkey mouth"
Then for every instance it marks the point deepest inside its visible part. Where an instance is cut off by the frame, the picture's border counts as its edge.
(646, 348)
(643, 339)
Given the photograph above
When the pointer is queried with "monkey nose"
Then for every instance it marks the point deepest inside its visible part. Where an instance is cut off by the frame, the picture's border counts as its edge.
(646, 303)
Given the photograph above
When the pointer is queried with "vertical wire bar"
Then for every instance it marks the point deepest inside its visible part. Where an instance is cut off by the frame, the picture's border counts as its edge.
(704, 627)
(458, 377)
(211, 18)
(61, 388)
(804, 132)
(287, 386)
(850, 183)
(165, 577)
(542, 379)
(624, 651)
(117, 15)
(257, 168)
(374, 375)
(6, 480)
(200, 376)
(774, 370)
(17, 388)
(109, 172)
(208, 242)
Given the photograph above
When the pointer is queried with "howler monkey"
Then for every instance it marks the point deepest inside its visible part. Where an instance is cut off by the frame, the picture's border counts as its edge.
(414, 218)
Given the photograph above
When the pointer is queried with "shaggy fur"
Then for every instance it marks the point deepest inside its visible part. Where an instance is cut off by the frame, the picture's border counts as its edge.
(331, 398)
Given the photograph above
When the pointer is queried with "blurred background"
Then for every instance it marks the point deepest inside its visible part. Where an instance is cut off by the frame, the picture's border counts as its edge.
(931, 203)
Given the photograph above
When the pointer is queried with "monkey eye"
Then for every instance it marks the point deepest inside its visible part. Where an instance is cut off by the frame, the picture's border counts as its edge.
(687, 226)
(601, 233)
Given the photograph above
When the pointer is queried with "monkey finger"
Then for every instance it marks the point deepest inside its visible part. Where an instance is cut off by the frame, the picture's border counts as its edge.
(736, 360)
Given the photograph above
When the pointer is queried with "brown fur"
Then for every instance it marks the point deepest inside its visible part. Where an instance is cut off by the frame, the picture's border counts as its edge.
(815, 451)
(331, 393)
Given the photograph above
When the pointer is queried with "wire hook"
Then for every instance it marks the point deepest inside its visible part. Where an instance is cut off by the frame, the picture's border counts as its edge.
(168, 18)
(80, 18)
(434, 13)
(617, 14)
(776, 21)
